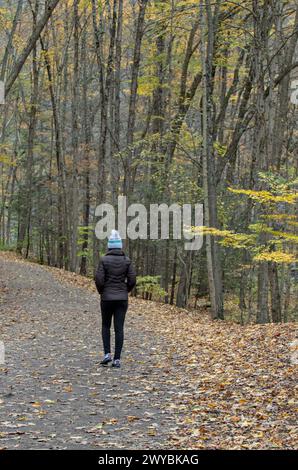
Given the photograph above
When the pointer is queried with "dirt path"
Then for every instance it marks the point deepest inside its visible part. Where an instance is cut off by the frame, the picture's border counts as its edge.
(186, 382)
(54, 394)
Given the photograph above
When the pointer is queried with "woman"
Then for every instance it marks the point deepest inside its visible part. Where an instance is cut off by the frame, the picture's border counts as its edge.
(115, 277)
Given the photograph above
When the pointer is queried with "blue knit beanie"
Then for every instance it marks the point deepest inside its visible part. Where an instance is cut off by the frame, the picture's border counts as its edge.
(114, 240)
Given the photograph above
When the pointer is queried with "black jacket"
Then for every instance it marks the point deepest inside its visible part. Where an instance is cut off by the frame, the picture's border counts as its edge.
(115, 276)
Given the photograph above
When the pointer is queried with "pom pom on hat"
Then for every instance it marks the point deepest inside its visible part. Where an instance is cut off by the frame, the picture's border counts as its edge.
(114, 240)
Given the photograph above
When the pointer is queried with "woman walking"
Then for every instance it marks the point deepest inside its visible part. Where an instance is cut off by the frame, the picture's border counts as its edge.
(115, 278)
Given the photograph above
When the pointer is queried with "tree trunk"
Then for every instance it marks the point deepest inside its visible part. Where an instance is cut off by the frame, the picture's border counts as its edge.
(210, 196)
(25, 216)
(37, 30)
(75, 142)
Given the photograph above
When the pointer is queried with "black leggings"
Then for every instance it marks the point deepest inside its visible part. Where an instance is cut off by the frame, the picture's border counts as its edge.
(116, 309)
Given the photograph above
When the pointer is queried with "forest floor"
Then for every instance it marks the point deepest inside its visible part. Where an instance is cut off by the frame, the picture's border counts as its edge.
(185, 382)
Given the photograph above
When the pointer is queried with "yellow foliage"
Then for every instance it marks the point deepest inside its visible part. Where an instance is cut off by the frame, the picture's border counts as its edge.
(6, 160)
(258, 228)
(238, 240)
(279, 217)
(288, 236)
(266, 196)
(275, 256)
(211, 231)
(249, 242)
(229, 238)
(147, 85)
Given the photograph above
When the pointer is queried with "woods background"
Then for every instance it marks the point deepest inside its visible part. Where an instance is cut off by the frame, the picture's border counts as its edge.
(163, 101)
